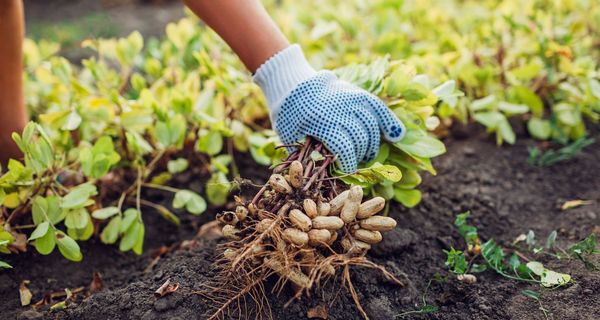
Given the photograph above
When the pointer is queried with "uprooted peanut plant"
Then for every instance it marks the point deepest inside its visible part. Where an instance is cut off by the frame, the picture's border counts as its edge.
(302, 226)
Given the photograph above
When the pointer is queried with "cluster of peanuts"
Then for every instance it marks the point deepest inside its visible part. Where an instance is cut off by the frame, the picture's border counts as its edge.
(317, 223)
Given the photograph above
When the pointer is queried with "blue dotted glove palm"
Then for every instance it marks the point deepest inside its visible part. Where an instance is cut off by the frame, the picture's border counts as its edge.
(346, 119)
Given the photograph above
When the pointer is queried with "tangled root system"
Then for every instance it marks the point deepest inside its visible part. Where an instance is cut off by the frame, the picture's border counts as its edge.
(302, 227)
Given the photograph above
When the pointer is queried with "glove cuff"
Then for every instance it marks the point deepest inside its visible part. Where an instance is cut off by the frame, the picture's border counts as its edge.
(280, 74)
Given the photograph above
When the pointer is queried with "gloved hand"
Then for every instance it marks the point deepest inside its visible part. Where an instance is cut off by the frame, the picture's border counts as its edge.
(346, 119)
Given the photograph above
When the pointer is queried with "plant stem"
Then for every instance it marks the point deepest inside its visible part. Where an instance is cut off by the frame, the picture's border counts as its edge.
(160, 187)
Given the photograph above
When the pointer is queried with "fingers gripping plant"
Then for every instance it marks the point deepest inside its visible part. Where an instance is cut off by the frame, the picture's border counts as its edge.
(303, 226)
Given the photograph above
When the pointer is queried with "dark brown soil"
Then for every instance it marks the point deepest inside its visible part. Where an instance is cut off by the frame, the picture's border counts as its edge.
(506, 196)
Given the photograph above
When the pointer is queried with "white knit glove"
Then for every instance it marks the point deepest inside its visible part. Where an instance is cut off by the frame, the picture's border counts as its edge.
(346, 119)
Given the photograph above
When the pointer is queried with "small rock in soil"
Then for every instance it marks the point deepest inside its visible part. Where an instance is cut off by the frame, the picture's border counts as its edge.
(159, 275)
(125, 301)
(167, 302)
(379, 308)
(469, 152)
(30, 315)
(395, 241)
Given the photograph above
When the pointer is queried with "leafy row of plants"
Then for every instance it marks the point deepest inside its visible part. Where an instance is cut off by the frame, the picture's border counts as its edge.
(136, 113)
(535, 61)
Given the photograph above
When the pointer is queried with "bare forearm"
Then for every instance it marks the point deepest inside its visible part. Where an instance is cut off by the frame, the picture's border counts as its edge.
(244, 25)
(12, 111)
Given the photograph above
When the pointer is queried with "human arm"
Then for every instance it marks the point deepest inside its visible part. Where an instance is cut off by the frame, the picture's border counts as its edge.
(12, 110)
(302, 102)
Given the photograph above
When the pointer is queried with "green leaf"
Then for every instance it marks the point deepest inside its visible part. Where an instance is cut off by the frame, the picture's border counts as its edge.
(139, 243)
(531, 294)
(110, 233)
(456, 261)
(171, 132)
(477, 268)
(77, 219)
(595, 87)
(177, 166)
(130, 215)
(527, 96)
(39, 231)
(5, 265)
(539, 128)
(384, 189)
(410, 179)
(137, 143)
(414, 92)
(490, 119)
(130, 237)
(105, 213)
(511, 108)
(217, 189)
(420, 144)
(552, 278)
(209, 142)
(68, 247)
(78, 196)
(72, 121)
(408, 198)
(387, 172)
(378, 173)
(493, 254)
(506, 132)
(468, 232)
(192, 201)
(548, 277)
(39, 209)
(82, 233)
(486, 103)
(528, 71)
(551, 241)
(514, 261)
(45, 245)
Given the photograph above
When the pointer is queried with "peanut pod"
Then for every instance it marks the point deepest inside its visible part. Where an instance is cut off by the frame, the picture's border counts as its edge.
(368, 236)
(295, 173)
(278, 183)
(241, 212)
(349, 211)
(370, 207)
(355, 194)
(378, 223)
(295, 236)
(300, 220)
(230, 254)
(227, 217)
(310, 207)
(338, 202)
(318, 237)
(354, 246)
(329, 222)
(252, 209)
(291, 273)
(324, 208)
(230, 232)
(264, 224)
